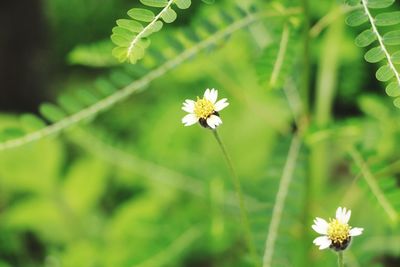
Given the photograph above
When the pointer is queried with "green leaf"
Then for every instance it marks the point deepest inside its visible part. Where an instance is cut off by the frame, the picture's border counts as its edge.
(120, 40)
(104, 87)
(169, 15)
(155, 27)
(209, 2)
(183, 4)
(123, 31)
(396, 57)
(154, 3)
(352, 2)
(356, 18)
(131, 25)
(396, 102)
(51, 112)
(141, 14)
(32, 121)
(393, 89)
(70, 104)
(379, 3)
(86, 97)
(137, 53)
(11, 133)
(175, 43)
(365, 38)
(374, 55)
(94, 55)
(387, 19)
(144, 43)
(120, 78)
(120, 53)
(209, 27)
(392, 38)
(384, 73)
(83, 174)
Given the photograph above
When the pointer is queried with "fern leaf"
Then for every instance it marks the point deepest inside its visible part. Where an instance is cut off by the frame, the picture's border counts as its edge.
(183, 4)
(52, 112)
(32, 122)
(388, 72)
(131, 37)
(378, 3)
(374, 55)
(387, 19)
(141, 14)
(95, 55)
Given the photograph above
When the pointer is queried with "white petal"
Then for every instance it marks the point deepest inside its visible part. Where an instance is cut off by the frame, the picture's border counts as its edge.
(323, 242)
(347, 216)
(189, 102)
(356, 231)
(189, 119)
(213, 121)
(207, 93)
(320, 226)
(221, 104)
(339, 214)
(211, 95)
(214, 95)
(188, 105)
(342, 215)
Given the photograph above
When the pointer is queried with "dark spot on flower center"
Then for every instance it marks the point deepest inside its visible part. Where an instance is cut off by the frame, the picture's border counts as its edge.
(203, 121)
(339, 246)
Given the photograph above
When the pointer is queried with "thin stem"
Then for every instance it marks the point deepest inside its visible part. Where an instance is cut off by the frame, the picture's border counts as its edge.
(287, 176)
(305, 88)
(283, 45)
(330, 18)
(305, 98)
(239, 195)
(340, 259)
(373, 185)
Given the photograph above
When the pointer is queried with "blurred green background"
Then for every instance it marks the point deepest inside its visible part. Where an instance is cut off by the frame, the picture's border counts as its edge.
(133, 187)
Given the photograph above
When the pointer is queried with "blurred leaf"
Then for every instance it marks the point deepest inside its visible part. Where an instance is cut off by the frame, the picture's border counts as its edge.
(84, 185)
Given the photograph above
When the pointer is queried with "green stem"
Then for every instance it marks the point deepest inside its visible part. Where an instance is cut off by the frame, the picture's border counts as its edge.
(305, 87)
(340, 259)
(239, 195)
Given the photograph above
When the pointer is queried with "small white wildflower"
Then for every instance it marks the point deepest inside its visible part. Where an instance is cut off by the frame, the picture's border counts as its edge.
(204, 110)
(337, 233)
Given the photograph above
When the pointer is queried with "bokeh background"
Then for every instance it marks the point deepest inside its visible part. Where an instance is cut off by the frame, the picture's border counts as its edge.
(133, 187)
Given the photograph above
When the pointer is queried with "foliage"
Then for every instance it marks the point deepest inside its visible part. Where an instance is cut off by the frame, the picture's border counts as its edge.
(383, 52)
(104, 174)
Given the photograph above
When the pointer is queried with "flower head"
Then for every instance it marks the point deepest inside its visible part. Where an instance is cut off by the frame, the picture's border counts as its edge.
(204, 110)
(336, 233)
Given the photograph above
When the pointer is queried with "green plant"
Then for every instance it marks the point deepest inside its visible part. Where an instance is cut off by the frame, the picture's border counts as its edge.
(123, 184)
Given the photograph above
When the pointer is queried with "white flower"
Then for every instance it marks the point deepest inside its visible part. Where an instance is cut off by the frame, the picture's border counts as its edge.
(204, 110)
(337, 233)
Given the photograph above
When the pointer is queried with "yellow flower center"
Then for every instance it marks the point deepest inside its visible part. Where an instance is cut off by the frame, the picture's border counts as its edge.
(338, 232)
(203, 108)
